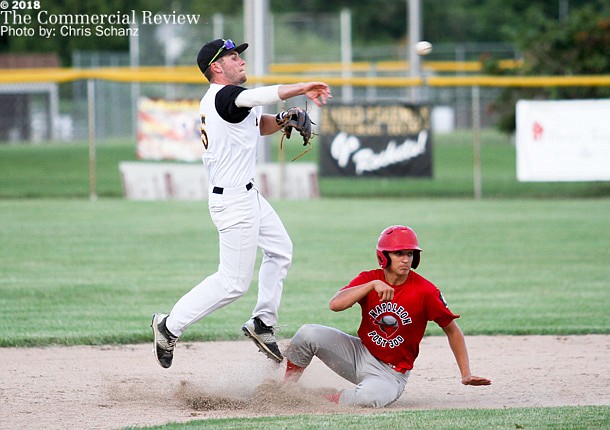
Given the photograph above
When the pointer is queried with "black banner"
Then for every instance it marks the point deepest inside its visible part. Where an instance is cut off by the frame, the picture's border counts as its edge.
(375, 140)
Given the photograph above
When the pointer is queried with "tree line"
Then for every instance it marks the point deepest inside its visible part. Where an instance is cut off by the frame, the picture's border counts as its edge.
(374, 21)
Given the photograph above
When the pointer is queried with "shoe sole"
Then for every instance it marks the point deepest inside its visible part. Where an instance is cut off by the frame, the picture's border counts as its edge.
(154, 323)
(261, 345)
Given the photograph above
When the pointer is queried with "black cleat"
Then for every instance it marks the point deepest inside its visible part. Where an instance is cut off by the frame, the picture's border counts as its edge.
(264, 337)
(164, 341)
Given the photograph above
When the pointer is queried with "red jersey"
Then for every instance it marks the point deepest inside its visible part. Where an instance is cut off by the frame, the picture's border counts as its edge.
(392, 330)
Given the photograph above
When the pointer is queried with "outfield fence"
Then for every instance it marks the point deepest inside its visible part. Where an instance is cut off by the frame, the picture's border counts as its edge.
(53, 104)
(100, 104)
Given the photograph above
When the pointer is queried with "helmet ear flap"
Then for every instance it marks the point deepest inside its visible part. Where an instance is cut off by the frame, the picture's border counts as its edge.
(384, 259)
(416, 259)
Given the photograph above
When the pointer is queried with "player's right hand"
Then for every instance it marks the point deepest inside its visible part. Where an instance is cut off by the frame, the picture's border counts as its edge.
(318, 92)
(384, 291)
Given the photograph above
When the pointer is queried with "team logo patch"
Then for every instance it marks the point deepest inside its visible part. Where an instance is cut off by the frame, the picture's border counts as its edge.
(440, 296)
(388, 318)
(388, 324)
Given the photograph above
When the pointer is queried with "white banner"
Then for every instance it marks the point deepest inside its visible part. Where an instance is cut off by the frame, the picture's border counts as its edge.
(185, 181)
(565, 140)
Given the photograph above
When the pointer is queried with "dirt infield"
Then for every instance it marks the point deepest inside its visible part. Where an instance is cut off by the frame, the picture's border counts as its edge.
(117, 386)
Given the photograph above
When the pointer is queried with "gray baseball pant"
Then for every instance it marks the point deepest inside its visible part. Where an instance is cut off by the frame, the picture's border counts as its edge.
(377, 384)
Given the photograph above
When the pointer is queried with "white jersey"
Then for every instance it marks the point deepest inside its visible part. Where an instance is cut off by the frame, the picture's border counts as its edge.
(230, 136)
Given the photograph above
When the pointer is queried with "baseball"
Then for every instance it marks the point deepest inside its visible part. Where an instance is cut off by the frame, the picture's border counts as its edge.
(389, 320)
(423, 48)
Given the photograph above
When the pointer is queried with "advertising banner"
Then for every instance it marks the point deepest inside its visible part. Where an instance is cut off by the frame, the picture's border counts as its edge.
(363, 140)
(566, 140)
(169, 130)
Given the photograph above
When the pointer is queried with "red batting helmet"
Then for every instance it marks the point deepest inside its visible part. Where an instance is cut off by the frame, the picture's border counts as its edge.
(395, 238)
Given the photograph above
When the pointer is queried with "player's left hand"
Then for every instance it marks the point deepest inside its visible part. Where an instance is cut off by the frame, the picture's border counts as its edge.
(298, 119)
(475, 380)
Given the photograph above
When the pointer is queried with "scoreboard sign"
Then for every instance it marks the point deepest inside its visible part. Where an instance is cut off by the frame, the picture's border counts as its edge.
(363, 140)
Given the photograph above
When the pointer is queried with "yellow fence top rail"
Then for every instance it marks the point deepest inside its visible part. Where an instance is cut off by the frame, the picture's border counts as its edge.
(18, 76)
(192, 75)
(388, 66)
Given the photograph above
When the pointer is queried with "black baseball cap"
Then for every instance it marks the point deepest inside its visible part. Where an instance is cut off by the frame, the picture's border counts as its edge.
(216, 49)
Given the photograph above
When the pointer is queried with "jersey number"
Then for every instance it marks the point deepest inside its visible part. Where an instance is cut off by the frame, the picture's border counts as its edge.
(204, 134)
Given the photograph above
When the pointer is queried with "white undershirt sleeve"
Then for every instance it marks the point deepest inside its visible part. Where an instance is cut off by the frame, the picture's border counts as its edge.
(258, 97)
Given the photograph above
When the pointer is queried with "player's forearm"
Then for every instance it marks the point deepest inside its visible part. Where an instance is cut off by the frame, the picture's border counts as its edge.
(268, 125)
(345, 299)
(318, 92)
(461, 357)
(457, 343)
(291, 90)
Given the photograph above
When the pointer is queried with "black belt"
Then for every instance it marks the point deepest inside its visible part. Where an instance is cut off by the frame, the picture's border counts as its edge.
(220, 190)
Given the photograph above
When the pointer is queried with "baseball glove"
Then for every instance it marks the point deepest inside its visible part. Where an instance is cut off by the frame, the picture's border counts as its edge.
(298, 119)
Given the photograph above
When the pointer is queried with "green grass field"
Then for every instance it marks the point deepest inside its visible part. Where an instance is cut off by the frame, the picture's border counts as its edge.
(565, 418)
(77, 272)
(62, 170)
(80, 272)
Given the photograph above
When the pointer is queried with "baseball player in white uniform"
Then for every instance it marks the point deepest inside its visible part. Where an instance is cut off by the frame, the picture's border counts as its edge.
(231, 125)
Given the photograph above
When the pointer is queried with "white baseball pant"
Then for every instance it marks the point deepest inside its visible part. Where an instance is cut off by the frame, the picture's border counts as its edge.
(245, 222)
(377, 384)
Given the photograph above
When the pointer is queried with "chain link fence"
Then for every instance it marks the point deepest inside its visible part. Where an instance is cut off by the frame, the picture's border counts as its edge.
(41, 112)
